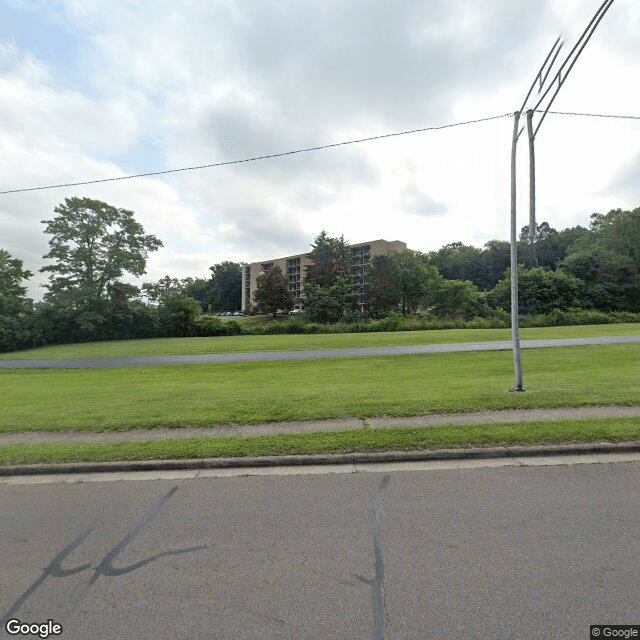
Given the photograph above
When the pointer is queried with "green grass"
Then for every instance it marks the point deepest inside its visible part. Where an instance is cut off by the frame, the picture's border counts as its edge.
(256, 392)
(243, 344)
(360, 440)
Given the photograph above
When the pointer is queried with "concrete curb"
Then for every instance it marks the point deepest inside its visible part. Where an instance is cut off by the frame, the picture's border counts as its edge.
(327, 459)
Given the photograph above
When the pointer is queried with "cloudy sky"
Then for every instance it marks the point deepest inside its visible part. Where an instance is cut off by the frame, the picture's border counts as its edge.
(93, 90)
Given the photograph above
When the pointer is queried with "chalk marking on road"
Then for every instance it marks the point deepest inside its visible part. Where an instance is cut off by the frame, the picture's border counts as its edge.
(106, 568)
(377, 583)
(53, 570)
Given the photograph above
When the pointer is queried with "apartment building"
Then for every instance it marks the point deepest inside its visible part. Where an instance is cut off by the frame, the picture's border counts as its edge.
(293, 267)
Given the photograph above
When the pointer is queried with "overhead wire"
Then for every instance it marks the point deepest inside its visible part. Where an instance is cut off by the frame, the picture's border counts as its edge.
(592, 115)
(304, 150)
(255, 158)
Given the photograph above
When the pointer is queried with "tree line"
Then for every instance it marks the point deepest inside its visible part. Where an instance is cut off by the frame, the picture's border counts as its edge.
(595, 268)
(93, 245)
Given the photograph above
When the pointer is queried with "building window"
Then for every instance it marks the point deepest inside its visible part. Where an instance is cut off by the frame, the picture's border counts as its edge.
(293, 274)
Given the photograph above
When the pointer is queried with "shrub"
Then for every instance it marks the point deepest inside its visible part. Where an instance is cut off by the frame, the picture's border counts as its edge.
(232, 328)
(210, 326)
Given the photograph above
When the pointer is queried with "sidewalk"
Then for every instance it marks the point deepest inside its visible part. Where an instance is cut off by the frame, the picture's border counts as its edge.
(312, 354)
(345, 424)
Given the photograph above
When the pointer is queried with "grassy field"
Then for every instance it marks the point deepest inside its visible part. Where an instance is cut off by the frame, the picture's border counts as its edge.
(201, 395)
(360, 440)
(243, 344)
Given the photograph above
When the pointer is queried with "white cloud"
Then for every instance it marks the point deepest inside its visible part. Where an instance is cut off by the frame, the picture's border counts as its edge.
(195, 83)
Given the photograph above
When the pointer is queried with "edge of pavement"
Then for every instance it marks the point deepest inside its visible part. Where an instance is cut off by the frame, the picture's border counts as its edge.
(326, 459)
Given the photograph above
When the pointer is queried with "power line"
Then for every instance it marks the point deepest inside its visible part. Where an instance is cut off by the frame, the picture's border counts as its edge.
(255, 158)
(305, 150)
(592, 115)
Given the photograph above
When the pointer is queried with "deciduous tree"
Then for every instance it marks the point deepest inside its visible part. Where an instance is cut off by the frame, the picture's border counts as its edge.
(541, 291)
(93, 245)
(12, 289)
(226, 286)
(16, 325)
(402, 278)
(331, 303)
(272, 292)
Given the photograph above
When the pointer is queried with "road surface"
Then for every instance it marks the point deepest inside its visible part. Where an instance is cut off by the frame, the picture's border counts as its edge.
(537, 552)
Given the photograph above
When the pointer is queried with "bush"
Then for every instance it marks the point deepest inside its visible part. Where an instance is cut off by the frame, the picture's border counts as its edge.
(393, 322)
(232, 328)
(210, 326)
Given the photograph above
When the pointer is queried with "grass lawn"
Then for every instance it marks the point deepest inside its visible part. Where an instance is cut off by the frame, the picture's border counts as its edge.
(243, 344)
(360, 440)
(200, 395)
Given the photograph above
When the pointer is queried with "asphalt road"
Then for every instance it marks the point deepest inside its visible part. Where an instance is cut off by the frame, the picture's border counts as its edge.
(314, 354)
(485, 553)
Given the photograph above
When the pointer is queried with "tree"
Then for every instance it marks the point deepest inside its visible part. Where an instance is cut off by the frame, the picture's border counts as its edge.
(618, 231)
(199, 290)
(226, 286)
(457, 298)
(402, 278)
(496, 257)
(93, 244)
(383, 291)
(609, 278)
(272, 292)
(12, 291)
(16, 325)
(536, 249)
(329, 260)
(541, 291)
(329, 288)
(457, 261)
(156, 291)
(332, 303)
(607, 259)
(177, 314)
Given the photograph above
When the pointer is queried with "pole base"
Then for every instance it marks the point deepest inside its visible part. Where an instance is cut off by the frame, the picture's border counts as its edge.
(517, 389)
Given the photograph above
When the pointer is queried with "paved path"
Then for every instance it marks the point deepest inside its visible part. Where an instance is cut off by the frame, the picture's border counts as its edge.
(314, 354)
(424, 420)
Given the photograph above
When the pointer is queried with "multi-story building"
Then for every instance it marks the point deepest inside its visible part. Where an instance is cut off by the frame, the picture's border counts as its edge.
(293, 268)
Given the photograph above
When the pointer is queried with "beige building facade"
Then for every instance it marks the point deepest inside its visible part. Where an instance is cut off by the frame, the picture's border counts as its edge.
(293, 267)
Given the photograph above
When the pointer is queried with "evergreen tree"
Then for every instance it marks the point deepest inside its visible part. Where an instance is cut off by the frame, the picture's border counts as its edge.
(329, 260)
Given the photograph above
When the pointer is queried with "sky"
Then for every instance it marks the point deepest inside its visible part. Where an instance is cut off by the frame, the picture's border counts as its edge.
(93, 90)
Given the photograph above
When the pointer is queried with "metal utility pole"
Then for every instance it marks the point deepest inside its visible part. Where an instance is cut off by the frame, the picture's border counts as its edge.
(532, 178)
(545, 87)
(515, 329)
